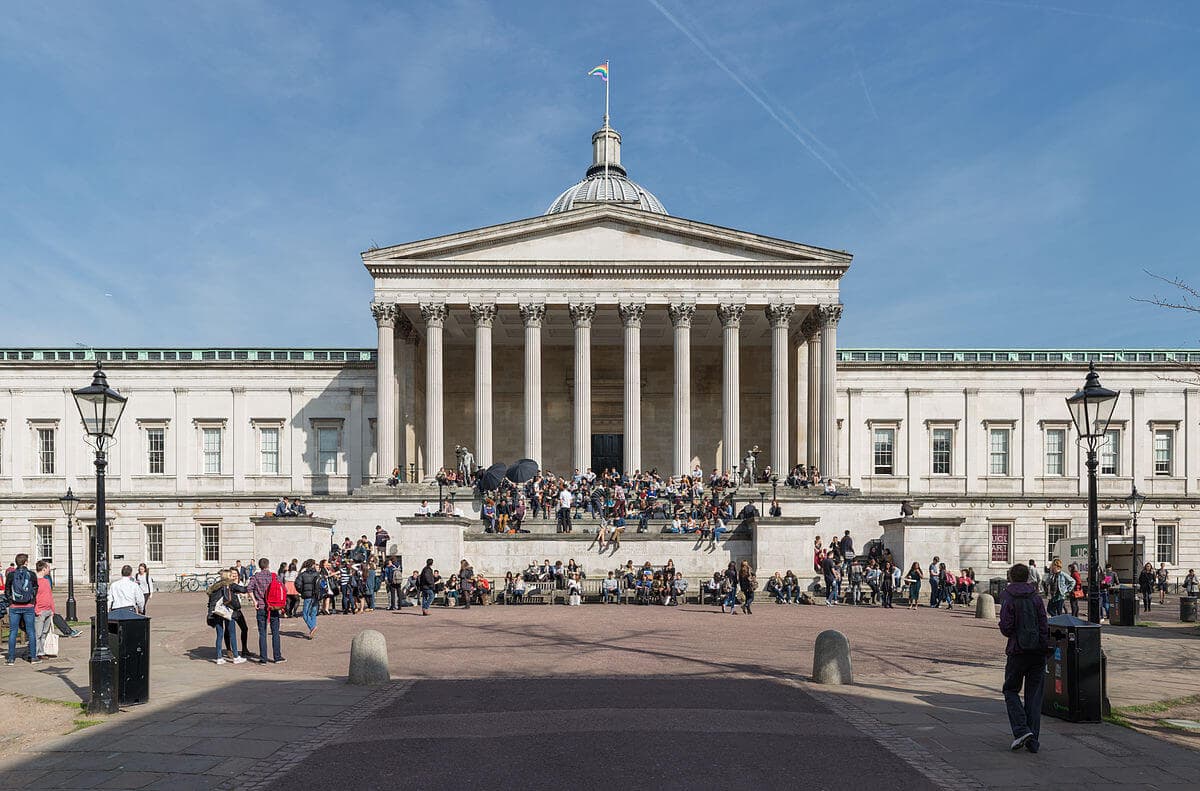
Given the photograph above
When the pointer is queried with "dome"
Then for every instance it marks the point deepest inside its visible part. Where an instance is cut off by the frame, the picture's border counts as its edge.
(606, 181)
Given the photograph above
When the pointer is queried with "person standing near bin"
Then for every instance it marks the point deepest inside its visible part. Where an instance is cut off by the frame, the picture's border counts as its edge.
(125, 595)
(263, 587)
(1191, 586)
(1023, 621)
(1145, 583)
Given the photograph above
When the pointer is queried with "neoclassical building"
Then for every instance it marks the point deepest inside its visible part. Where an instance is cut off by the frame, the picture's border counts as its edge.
(604, 333)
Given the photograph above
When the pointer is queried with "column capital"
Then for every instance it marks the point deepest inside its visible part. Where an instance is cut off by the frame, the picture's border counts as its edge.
(730, 314)
(434, 313)
(779, 314)
(681, 313)
(582, 313)
(483, 314)
(385, 313)
(829, 315)
(532, 313)
(631, 313)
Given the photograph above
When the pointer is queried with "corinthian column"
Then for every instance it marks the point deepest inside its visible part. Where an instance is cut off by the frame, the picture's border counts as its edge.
(830, 315)
(681, 314)
(779, 316)
(731, 322)
(631, 314)
(532, 315)
(581, 319)
(483, 315)
(811, 330)
(434, 314)
(385, 314)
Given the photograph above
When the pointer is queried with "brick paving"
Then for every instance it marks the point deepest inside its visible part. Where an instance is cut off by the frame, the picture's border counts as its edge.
(618, 690)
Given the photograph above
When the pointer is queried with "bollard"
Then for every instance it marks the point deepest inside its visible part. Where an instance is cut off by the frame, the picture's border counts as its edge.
(831, 659)
(985, 606)
(368, 659)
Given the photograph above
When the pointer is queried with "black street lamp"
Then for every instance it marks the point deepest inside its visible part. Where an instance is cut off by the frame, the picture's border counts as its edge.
(1135, 501)
(1091, 409)
(70, 504)
(100, 407)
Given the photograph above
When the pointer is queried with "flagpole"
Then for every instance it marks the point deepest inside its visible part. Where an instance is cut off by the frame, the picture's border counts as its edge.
(607, 76)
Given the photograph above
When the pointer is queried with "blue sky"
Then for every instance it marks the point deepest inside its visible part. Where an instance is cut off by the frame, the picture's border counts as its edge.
(207, 174)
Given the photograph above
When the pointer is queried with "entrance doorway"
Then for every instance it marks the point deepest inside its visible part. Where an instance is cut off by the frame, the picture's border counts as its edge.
(608, 452)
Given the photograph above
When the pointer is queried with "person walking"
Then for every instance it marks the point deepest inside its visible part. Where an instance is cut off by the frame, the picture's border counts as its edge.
(1191, 586)
(888, 585)
(1024, 622)
(125, 595)
(269, 600)
(829, 573)
(1058, 586)
(393, 578)
(308, 588)
(730, 586)
(143, 580)
(1162, 579)
(43, 611)
(428, 581)
(1145, 583)
(914, 585)
(748, 584)
(935, 597)
(466, 583)
(222, 604)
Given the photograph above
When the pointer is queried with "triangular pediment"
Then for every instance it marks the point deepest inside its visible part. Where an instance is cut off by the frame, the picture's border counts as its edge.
(606, 233)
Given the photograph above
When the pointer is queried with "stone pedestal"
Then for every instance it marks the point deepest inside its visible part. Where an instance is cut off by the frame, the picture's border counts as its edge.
(281, 538)
(918, 539)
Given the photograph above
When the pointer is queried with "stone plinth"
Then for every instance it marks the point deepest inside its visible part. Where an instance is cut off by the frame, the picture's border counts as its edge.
(919, 539)
(281, 538)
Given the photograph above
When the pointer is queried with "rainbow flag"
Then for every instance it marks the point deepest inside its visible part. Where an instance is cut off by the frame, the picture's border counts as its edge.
(600, 71)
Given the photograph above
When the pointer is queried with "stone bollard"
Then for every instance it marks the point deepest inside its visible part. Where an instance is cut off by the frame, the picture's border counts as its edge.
(831, 659)
(369, 659)
(985, 606)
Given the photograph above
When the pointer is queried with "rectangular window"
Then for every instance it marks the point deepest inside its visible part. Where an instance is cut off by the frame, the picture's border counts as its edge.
(156, 443)
(1056, 443)
(943, 444)
(45, 542)
(154, 542)
(212, 451)
(1055, 532)
(1110, 453)
(210, 543)
(1164, 447)
(885, 451)
(1000, 542)
(1165, 546)
(998, 451)
(268, 443)
(46, 451)
(327, 451)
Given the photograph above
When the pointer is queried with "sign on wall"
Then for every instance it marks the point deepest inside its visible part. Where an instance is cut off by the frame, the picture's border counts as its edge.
(1000, 542)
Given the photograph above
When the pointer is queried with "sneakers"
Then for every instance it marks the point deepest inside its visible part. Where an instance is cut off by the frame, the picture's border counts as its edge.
(35, 661)
(1021, 741)
(220, 660)
(239, 660)
(280, 660)
(75, 633)
(1033, 746)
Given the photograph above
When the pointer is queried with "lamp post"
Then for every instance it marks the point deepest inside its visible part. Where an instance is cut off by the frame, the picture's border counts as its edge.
(1135, 501)
(100, 407)
(1091, 410)
(70, 504)
(452, 511)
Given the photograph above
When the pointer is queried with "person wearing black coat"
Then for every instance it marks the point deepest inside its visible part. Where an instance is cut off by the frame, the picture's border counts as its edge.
(428, 581)
(1145, 583)
(309, 590)
(225, 591)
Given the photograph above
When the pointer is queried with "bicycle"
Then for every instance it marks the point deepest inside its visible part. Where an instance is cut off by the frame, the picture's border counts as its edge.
(195, 582)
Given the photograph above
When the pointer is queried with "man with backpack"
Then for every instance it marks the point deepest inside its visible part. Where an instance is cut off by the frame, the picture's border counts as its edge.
(1023, 621)
(269, 601)
(20, 594)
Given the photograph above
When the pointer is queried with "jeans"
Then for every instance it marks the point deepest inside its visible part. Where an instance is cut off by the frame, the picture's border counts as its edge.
(791, 593)
(730, 600)
(749, 601)
(309, 613)
(1103, 604)
(395, 594)
(1055, 607)
(608, 595)
(426, 599)
(263, 622)
(830, 590)
(934, 593)
(347, 599)
(18, 619)
(225, 629)
(1028, 670)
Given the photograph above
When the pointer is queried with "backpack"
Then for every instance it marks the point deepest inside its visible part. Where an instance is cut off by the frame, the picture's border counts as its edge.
(1029, 637)
(21, 591)
(276, 599)
(753, 582)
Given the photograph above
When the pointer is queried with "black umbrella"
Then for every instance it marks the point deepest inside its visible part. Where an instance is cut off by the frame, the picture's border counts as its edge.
(490, 478)
(522, 470)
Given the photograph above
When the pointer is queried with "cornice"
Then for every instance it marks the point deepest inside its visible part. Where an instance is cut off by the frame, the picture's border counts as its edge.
(605, 269)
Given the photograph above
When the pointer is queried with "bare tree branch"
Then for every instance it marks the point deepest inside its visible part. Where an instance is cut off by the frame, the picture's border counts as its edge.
(1189, 301)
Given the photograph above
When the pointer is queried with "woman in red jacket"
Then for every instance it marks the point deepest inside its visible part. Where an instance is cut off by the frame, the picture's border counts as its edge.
(1077, 593)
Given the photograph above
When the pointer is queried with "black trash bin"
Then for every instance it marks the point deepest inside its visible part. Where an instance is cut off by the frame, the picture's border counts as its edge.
(996, 586)
(1074, 689)
(129, 642)
(1187, 609)
(1124, 606)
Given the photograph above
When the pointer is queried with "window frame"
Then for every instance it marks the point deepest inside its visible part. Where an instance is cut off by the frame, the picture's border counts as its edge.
(993, 430)
(1170, 432)
(317, 427)
(264, 454)
(159, 430)
(1160, 545)
(934, 430)
(149, 543)
(1111, 450)
(1051, 524)
(202, 545)
(41, 529)
(888, 452)
(1007, 526)
(1048, 453)
(42, 429)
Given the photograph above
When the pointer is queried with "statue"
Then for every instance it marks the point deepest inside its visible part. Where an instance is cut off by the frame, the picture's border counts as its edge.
(466, 462)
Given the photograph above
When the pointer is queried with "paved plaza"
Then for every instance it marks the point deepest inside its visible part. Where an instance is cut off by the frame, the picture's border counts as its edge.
(547, 696)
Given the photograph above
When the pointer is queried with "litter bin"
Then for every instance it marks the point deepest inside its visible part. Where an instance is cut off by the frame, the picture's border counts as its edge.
(996, 586)
(1124, 606)
(1074, 688)
(129, 642)
(1187, 609)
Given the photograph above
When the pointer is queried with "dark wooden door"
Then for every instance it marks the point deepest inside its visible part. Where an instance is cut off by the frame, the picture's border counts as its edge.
(608, 451)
